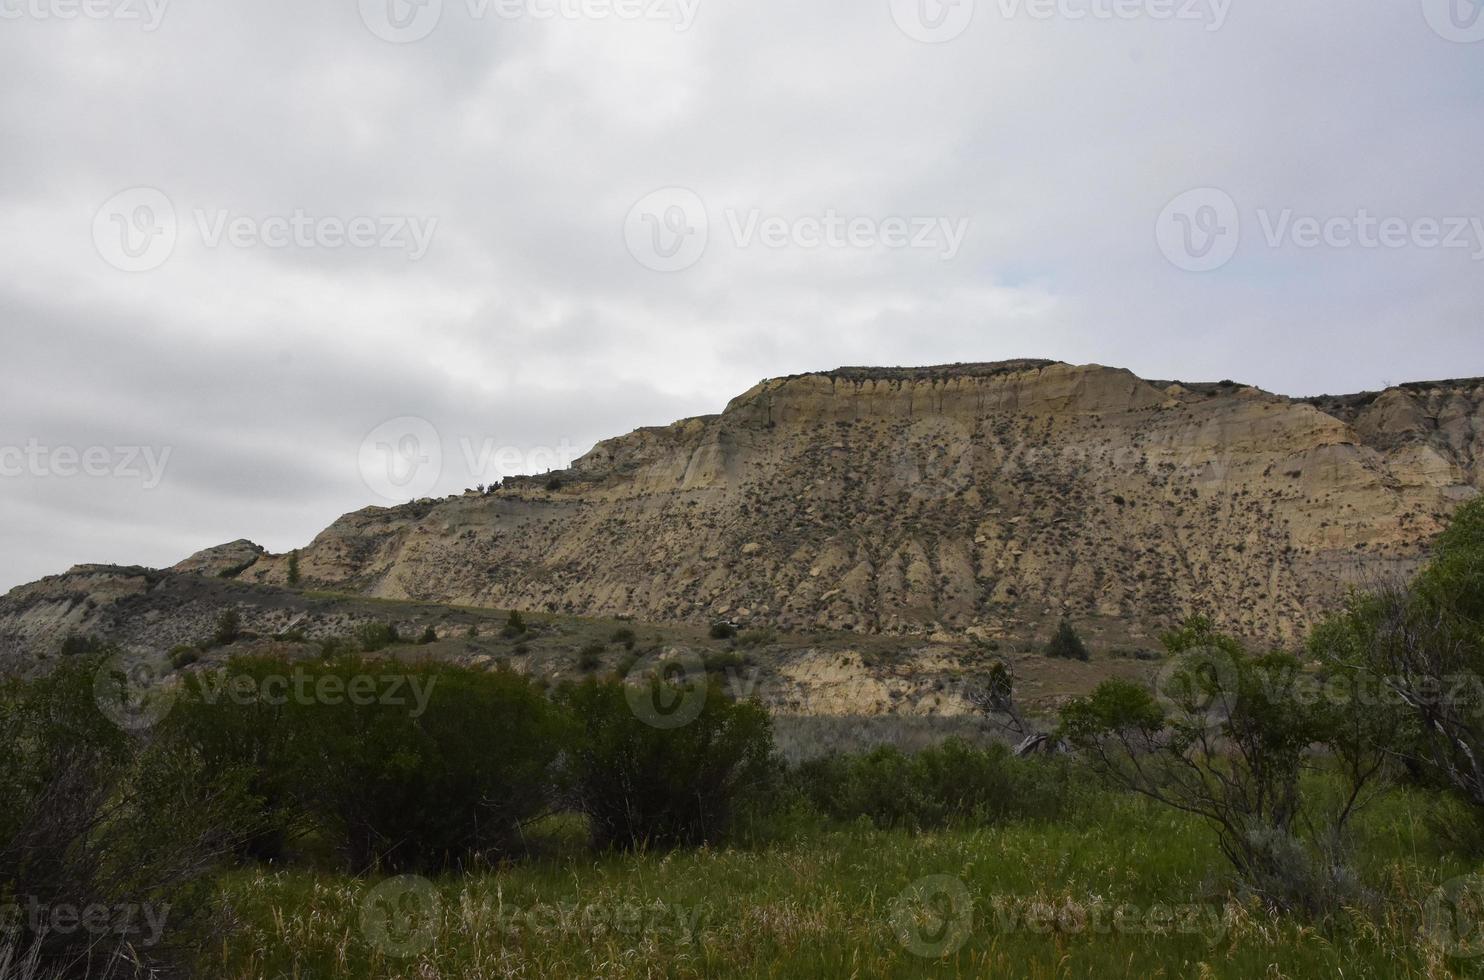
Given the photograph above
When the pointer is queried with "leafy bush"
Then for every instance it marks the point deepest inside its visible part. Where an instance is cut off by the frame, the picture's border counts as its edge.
(644, 786)
(97, 817)
(430, 635)
(228, 628)
(624, 637)
(721, 630)
(294, 567)
(515, 625)
(1066, 644)
(374, 637)
(183, 656)
(590, 657)
(942, 785)
(434, 766)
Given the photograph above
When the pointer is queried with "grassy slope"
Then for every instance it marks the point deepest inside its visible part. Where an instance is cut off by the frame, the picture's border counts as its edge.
(819, 903)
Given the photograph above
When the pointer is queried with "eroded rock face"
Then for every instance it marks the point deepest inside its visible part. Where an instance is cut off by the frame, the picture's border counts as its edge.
(996, 497)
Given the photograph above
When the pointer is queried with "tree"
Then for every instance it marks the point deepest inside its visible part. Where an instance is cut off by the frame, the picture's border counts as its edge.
(294, 567)
(1419, 650)
(1066, 644)
(1230, 738)
(228, 627)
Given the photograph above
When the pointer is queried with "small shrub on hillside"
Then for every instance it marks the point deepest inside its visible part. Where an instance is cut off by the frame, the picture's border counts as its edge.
(721, 630)
(228, 628)
(78, 645)
(515, 626)
(590, 657)
(624, 637)
(430, 635)
(374, 637)
(183, 656)
(1066, 644)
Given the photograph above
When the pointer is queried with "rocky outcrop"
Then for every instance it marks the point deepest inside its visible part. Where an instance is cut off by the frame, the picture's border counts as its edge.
(988, 497)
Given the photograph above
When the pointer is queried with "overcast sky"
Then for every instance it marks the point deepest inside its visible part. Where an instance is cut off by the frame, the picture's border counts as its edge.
(243, 240)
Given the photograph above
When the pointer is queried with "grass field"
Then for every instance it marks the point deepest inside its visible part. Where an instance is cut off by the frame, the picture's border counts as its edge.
(1119, 889)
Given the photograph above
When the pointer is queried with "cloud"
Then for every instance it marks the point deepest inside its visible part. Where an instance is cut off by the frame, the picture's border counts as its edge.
(1057, 139)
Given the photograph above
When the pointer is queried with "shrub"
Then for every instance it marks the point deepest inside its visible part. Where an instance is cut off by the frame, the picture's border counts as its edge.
(228, 628)
(94, 816)
(430, 635)
(294, 567)
(721, 630)
(374, 637)
(183, 656)
(79, 645)
(590, 657)
(554, 484)
(645, 786)
(624, 637)
(1066, 644)
(942, 785)
(515, 625)
(441, 768)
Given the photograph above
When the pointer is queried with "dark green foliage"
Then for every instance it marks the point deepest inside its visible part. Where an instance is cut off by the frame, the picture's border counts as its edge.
(1066, 644)
(624, 637)
(515, 625)
(430, 766)
(430, 635)
(554, 484)
(590, 657)
(1231, 738)
(183, 656)
(228, 628)
(943, 785)
(94, 816)
(721, 630)
(375, 637)
(642, 786)
(77, 645)
(294, 567)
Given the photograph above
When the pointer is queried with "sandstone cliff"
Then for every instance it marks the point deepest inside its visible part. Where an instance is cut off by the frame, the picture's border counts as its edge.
(989, 499)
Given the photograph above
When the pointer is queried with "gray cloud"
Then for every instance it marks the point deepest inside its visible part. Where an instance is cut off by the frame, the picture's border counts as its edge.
(529, 323)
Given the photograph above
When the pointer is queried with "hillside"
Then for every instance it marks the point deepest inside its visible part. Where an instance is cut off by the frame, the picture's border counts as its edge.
(990, 498)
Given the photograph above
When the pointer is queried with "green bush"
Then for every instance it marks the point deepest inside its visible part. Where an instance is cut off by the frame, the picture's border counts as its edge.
(943, 785)
(375, 637)
(644, 786)
(228, 628)
(722, 630)
(1066, 644)
(515, 626)
(430, 635)
(97, 816)
(432, 766)
(590, 657)
(624, 637)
